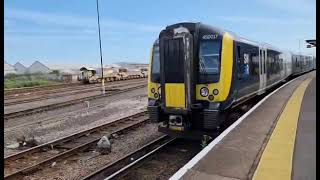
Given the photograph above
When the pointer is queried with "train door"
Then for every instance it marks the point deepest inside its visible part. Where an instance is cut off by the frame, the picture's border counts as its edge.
(175, 57)
(262, 69)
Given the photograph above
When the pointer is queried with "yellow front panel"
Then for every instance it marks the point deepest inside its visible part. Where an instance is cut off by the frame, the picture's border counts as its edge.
(224, 83)
(151, 84)
(175, 95)
(156, 86)
(149, 76)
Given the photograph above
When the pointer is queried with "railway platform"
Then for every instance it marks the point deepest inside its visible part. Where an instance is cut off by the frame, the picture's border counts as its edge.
(274, 140)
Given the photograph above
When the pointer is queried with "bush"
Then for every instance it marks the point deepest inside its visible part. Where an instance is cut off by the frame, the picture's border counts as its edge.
(10, 75)
(29, 80)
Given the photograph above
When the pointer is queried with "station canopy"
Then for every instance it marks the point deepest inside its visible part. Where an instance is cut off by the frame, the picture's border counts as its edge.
(311, 42)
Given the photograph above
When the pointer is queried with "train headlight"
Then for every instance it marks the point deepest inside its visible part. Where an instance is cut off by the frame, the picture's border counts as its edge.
(211, 97)
(156, 95)
(204, 92)
(215, 91)
(153, 90)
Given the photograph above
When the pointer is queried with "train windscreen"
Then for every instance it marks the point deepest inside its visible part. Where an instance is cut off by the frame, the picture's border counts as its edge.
(209, 57)
(155, 69)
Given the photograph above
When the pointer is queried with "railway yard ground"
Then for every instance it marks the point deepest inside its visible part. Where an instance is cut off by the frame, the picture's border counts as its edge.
(46, 125)
(62, 125)
(24, 101)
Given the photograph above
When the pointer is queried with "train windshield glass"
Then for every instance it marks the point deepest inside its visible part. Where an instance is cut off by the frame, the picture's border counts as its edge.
(209, 57)
(155, 69)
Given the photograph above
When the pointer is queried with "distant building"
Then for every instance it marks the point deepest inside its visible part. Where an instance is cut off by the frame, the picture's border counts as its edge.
(38, 67)
(20, 68)
(70, 78)
(69, 71)
(8, 69)
(65, 68)
(69, 75)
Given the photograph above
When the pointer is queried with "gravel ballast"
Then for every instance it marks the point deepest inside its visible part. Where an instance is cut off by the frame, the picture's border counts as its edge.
(62, 122)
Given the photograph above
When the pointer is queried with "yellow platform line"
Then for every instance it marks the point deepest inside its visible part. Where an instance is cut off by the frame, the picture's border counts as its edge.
(276, 159)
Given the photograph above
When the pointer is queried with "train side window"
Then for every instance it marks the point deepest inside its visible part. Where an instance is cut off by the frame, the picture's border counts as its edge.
(264, 67)
(245, 61)
(246, 68)
(277, 61)
(240, 60)
(272, 62)
(269, 63)
(260, 59)
(254, 59)
(238, 50)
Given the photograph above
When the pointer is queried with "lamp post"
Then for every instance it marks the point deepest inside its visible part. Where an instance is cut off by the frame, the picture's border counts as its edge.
(102, 80)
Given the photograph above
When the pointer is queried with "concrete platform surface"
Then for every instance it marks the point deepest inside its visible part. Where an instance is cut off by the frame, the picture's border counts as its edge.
(304, 159)
(237, 154)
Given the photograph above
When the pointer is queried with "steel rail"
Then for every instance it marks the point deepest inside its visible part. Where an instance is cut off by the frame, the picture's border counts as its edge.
(131, 121)
(63, 104)
(130, 159)
(48, 94)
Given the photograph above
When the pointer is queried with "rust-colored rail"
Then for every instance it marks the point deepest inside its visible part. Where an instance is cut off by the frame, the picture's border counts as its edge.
(66, 103)
(35, 158)
(126, 161)
(32, 96)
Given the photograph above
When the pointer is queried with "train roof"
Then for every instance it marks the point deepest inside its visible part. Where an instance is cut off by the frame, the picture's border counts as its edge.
(236, 37)
(87, 68)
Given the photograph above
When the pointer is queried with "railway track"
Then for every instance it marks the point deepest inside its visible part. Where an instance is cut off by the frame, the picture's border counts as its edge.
(66, 103)
(50, 96)
(51, 119)
(55, 88)
(38, 157)
(38, 88)
(159, 159)
(60, 92)
(9, 92)
(156, 160)
(46, 91)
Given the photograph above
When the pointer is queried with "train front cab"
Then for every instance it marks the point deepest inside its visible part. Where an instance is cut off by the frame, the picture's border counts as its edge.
(86, 74)
(188, 86)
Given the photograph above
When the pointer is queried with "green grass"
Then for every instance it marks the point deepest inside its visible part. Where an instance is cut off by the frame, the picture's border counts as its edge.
(20, 81)
(19, 84)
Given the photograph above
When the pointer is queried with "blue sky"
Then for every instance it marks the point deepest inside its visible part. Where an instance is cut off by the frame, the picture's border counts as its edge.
(65, 32)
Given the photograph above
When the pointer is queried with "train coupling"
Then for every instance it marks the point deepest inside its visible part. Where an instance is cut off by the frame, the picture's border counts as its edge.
(176, 122)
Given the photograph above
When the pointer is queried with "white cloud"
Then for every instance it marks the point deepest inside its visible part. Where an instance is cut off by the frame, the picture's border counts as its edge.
(74, 21)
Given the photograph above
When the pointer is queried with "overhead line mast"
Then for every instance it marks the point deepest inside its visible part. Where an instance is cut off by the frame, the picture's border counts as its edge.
(102, 79)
